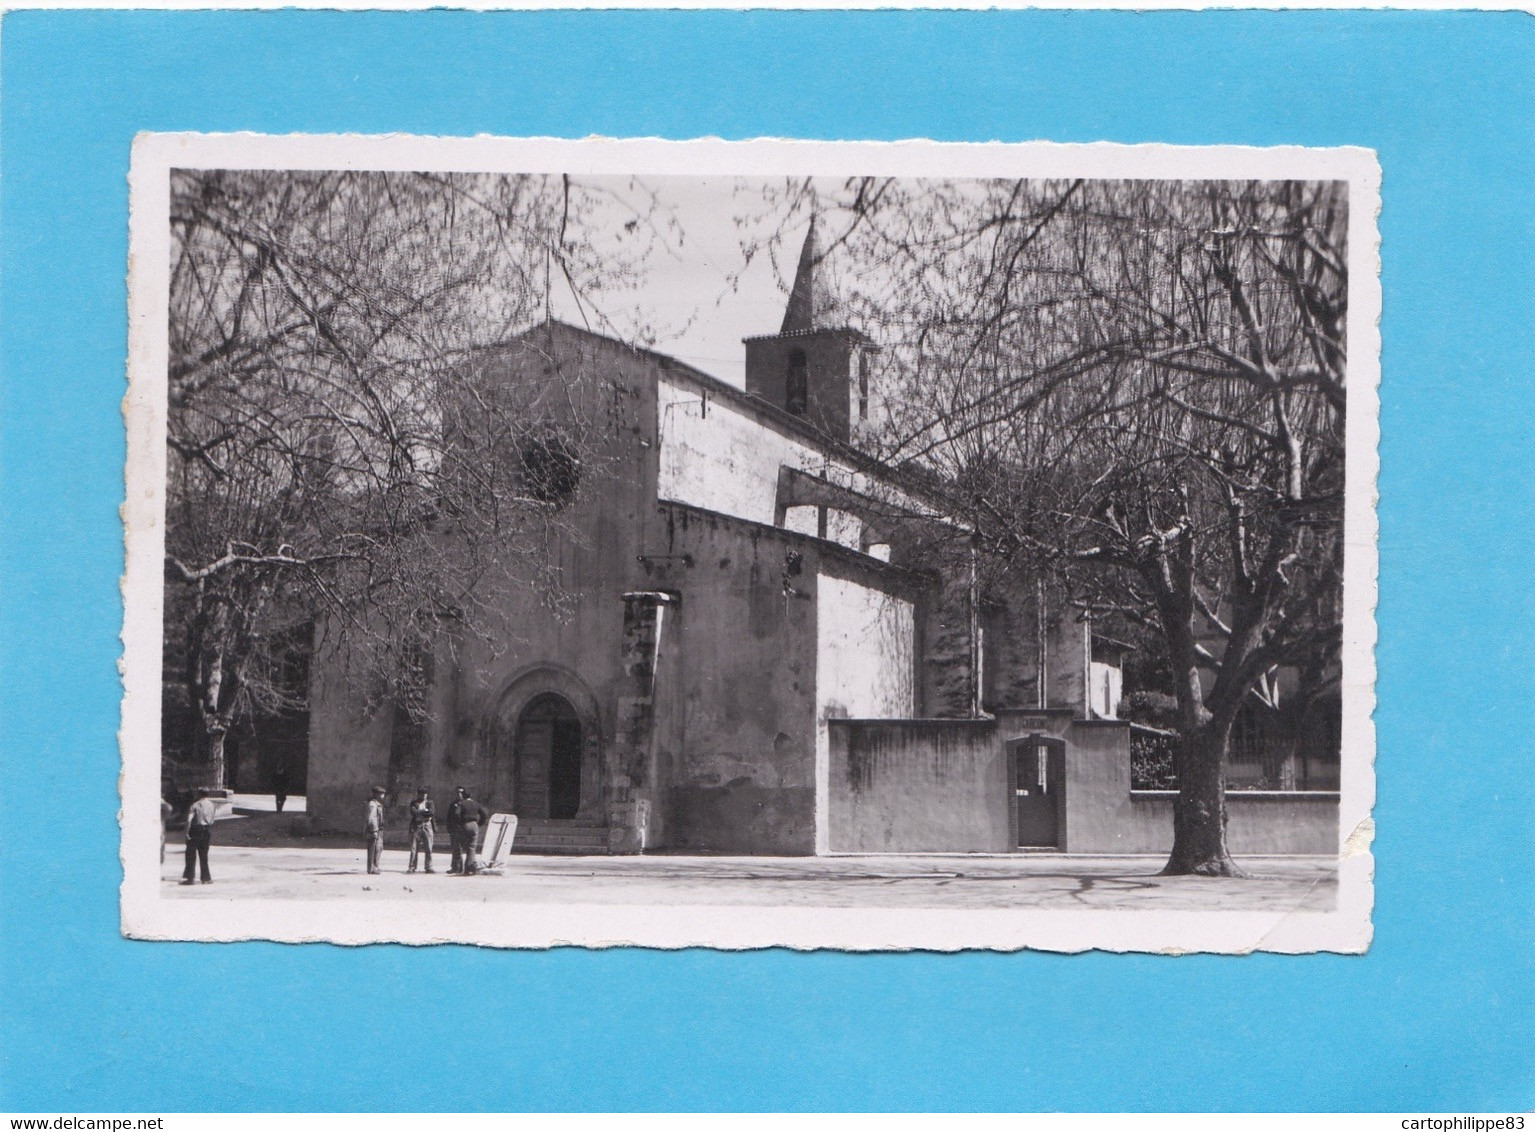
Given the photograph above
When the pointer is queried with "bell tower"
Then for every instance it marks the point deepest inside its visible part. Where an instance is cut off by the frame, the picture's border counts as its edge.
(817, 366)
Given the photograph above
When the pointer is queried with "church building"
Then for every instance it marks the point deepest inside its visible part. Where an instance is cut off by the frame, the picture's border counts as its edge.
(775, 644)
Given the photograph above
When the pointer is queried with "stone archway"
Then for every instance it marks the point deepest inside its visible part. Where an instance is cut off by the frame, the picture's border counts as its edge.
(543, 743)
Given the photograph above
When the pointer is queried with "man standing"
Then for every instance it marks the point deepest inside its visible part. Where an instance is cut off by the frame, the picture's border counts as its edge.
(375, 829)
(456, 830)
(199, 836)
(165, 816)
(280, 786)
(421, 829)
(472, 815)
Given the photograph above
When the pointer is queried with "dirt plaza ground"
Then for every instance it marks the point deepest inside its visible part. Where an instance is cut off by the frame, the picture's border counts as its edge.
(257, 854)
(1054, 881)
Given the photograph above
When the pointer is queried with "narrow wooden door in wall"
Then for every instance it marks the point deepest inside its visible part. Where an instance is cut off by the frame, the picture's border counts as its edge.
(1039, 792)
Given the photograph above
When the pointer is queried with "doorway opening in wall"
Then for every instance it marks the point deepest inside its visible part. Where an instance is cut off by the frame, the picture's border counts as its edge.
(1038, 776)
(548, 758)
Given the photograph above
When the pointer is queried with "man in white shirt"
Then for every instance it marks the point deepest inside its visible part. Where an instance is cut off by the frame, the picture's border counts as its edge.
(200, 820)
(375, 829)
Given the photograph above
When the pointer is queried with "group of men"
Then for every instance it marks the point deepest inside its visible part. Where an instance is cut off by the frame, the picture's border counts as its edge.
(465, 818)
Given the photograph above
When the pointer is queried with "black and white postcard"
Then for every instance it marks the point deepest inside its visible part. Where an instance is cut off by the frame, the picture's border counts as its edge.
(821, 545)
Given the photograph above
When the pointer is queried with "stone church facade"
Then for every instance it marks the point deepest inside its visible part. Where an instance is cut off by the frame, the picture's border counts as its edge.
(776, 645)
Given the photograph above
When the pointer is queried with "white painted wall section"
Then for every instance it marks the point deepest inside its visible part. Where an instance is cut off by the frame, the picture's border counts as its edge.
(864, 668)
(719, 456)
(1105, 685)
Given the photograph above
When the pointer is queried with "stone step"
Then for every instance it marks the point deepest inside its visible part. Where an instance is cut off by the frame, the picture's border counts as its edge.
(600, 837)
(560, 835)
(561, 850)
(559, 845)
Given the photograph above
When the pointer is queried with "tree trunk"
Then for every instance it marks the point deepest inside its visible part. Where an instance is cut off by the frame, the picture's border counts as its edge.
(214, 686)
(1199, 814)
(212, 751)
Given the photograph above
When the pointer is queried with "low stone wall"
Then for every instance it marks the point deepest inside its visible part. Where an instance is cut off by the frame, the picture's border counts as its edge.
(907, 786)
(1257, 821)
(916, 785)
(1105, 816)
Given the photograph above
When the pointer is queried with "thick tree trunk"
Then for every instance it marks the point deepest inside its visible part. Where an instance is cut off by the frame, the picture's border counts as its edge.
(214, 687)
(1199, 814)
(212, 751)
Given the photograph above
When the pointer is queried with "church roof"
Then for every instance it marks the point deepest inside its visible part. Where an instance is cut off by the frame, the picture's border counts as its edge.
(814, 303)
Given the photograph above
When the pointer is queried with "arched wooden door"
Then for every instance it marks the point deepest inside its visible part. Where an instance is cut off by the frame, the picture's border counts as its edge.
(547, 756)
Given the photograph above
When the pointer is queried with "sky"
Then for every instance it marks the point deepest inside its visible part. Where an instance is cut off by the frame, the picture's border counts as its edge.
(688, 297)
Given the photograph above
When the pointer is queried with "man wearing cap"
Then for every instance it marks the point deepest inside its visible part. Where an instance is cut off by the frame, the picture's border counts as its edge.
(421, 831)
(375, 829)
(470, 815)
(456, 830)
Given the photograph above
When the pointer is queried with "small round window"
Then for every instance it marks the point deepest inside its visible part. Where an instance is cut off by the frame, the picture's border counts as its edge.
(551, 469)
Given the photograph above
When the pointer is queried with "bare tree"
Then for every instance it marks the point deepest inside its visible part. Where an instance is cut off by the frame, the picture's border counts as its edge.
(1138, 387)
(335, 455)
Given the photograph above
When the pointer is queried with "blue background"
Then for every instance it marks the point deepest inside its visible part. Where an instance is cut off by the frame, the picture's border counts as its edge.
(1440, 1014)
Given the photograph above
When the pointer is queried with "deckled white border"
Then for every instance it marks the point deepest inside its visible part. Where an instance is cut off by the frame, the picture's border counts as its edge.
(145, 914)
